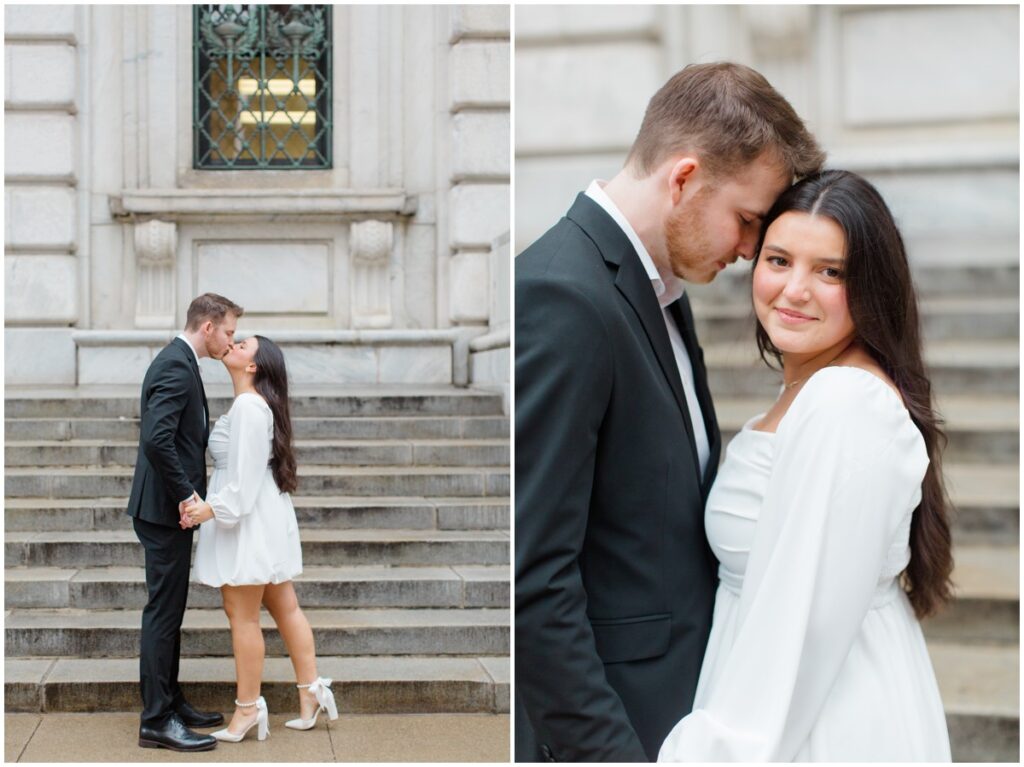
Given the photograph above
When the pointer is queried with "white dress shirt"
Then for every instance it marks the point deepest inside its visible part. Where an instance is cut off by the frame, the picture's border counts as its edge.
(667, 288)
(195, 354)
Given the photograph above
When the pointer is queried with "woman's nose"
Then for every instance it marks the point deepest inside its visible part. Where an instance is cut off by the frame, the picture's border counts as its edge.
(797, 287)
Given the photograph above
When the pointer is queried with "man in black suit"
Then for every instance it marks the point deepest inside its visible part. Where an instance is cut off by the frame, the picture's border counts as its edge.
(170, 470)
(616, 438)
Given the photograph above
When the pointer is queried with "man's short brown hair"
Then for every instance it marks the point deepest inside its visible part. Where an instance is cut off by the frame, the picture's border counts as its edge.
(728, 115)
(210, 306)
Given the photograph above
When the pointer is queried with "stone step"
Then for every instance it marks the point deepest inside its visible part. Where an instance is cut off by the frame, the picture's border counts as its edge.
(987, 605)
(942, 319)
(319, 547)
(351, 586)
(348, 428)
(79, 633)
(306, 401)
(459, 452)
(311, 512)
(376, 685)
(979, 429)
(103, 482)
(981, 695)
(986, 501)
(955, 368)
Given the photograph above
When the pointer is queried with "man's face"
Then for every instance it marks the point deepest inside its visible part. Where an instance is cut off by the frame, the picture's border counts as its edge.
(720, 223)
(219, 338)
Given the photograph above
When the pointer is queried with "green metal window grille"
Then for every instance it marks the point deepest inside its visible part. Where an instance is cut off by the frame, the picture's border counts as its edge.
(262, 97)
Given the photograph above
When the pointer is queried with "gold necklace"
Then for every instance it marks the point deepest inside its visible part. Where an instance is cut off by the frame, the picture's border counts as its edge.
(791, 384)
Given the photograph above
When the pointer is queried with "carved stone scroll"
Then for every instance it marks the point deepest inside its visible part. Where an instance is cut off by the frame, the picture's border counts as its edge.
(156, 244)
(370, 245)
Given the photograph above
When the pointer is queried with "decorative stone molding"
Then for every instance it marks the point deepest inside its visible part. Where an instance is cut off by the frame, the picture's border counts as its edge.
(370, 244)
(156, 245)
(238, 204)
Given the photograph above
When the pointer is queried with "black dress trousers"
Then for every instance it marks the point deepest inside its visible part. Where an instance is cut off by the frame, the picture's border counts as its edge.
(168, 556)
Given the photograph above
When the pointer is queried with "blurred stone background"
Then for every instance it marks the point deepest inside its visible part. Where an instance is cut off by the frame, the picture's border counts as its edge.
(923, 101)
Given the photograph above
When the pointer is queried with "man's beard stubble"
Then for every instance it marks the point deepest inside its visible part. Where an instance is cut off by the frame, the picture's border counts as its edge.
(689, 250)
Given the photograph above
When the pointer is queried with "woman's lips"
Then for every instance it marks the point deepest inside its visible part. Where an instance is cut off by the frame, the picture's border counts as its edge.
(793, 318)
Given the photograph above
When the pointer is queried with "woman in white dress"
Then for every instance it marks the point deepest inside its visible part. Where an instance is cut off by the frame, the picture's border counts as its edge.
(249, 541)
(828, 515)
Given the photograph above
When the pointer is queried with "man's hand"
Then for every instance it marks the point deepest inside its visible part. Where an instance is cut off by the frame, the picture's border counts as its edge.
(197, 512)
(183, 508)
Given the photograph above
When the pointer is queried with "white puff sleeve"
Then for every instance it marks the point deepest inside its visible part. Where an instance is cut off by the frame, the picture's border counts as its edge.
(848, 464)
(249, 451)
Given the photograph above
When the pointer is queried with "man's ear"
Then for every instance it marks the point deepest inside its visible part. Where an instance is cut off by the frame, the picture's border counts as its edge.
(683, 172)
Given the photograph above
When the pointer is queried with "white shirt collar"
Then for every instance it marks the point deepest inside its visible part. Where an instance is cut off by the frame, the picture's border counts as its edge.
(194, 352)
(667, 287)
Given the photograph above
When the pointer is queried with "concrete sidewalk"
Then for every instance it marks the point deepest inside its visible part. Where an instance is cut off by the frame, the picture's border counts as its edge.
(112, 737)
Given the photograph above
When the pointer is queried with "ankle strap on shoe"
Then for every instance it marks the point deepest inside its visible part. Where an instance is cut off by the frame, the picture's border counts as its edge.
(249, 705)
(318, 682)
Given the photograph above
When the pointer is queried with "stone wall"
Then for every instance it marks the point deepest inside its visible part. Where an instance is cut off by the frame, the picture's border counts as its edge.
(923, 100)
(111, 231)
(44, 256)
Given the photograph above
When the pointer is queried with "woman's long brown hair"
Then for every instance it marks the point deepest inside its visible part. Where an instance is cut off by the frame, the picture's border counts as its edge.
(883, 305)
(271, 381)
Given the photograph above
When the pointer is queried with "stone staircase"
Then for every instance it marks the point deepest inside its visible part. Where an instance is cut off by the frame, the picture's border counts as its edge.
(970, 322)
(403, 512)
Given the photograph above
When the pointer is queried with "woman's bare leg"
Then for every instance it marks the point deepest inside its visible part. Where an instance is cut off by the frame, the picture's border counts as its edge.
(283, 606)
(242, 605)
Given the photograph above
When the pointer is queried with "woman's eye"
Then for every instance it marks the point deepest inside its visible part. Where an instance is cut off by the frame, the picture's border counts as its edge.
(833, 274)
(776, 260)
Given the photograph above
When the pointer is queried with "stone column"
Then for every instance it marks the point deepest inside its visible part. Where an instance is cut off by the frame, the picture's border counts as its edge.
(478, 212)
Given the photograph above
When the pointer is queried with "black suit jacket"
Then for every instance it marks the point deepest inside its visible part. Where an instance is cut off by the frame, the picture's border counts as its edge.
(614, 577)
(173, 435)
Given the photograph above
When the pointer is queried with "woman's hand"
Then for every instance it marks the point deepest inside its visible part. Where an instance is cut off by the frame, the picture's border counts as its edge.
(196, 513)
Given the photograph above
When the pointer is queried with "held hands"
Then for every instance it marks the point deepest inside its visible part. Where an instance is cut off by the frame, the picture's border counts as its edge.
(194, 512)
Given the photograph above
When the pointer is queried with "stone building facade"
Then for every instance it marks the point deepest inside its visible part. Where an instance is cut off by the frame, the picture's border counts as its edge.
(389, 267)
(924, 100)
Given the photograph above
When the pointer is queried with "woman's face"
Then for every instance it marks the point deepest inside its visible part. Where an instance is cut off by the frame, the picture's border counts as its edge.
(242, 355)
(799, 285)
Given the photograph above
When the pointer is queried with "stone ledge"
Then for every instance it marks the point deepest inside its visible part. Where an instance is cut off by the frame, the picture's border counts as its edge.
(434, 356)
(411, 337)
(206, 204)
(499, 339)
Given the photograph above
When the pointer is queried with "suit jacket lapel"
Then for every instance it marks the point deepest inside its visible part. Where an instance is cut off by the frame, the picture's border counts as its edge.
(634, 284)
(191, 357)
(683, 316)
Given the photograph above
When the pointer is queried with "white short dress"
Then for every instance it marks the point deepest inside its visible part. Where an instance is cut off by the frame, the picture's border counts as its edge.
(253, 537)
(815, 653)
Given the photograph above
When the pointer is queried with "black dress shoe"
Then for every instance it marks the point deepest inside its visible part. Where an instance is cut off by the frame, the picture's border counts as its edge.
(175, 736)
(195, 718)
